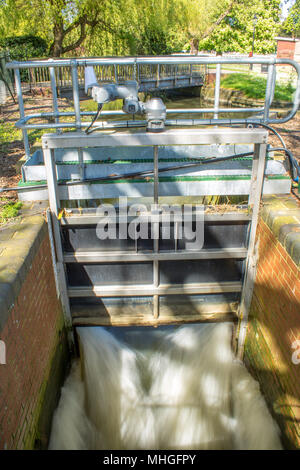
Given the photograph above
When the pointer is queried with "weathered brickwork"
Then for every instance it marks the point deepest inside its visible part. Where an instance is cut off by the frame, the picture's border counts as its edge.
(32, 328)
(286, 49)
(274, 325)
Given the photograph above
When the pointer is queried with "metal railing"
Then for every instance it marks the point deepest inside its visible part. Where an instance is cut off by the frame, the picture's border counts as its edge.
(72, 71)
(40, 76)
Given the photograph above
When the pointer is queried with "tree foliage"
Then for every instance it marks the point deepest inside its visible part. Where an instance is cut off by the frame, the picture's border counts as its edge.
(118, 27)
(291, 25)
(235, 32)
(24, 47)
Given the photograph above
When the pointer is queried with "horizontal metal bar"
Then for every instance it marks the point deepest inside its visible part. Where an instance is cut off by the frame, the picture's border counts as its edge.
(114, 257)
(163, 289)
(168, 137)
(165, 60)
(93, 219)
(100, 125)
(22, 123)
(211, 313)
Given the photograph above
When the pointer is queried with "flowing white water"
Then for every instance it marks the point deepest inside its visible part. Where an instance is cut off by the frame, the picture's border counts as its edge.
(165, 388)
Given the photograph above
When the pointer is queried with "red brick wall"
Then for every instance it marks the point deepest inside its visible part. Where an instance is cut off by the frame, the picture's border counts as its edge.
(31, 334)
(285, 49)
(273, 327)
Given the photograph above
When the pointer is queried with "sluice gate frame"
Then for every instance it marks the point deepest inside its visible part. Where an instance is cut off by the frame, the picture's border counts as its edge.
(164, 284)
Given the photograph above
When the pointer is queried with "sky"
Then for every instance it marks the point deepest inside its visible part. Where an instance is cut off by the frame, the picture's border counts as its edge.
(285, 5)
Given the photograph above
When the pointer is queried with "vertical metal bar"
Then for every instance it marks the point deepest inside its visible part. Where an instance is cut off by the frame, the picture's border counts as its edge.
(54, 95)
(156, 235)
(76, 93)
(116, 73)
(157, 75)
(270, 88)
(217, 91)
(176, 236)
(54, 205)
(22, 111)
(191, 73)
(50, 166)
(81, 164)
(53, 253)
(155, 158)
(250, 269)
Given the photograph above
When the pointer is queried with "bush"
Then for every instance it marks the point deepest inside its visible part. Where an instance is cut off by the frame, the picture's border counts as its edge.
(24, 47)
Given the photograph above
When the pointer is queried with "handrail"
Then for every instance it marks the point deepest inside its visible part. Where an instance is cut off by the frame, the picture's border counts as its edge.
(168, 60)
(262, 113)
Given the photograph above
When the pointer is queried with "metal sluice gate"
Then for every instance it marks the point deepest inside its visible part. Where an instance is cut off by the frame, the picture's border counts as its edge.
(160, 277)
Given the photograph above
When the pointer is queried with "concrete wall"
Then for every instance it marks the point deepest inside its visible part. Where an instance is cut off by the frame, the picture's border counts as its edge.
(272, 351)
(32, 334)
(236, 98)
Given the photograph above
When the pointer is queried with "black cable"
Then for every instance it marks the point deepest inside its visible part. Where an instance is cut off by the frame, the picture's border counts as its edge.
(295, 194)
(266, 126)
(205, 161)
(294, 168)
(293, 164)
(87, 131)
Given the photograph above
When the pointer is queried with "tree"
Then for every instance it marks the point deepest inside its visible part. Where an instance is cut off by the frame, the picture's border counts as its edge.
(234, 32)
(291, 25)
(139, 27)
(202, 17)
(120, 27)
(65, 24)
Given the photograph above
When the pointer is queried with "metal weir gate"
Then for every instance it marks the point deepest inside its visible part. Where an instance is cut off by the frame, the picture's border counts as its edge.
(155, 280)
(142, 282)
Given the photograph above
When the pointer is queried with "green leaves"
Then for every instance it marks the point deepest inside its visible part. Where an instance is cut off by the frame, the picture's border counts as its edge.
(292, 23)
(132, 27)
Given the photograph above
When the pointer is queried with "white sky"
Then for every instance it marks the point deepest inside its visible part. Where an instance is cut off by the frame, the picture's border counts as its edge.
(285, 5)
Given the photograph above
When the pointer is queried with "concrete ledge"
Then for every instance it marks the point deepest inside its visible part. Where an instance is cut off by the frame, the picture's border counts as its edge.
(19, 243)
(282, 215)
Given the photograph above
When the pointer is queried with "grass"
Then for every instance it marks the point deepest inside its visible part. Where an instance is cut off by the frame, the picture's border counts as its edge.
(8, 132)
(9, 210)
(254, 87)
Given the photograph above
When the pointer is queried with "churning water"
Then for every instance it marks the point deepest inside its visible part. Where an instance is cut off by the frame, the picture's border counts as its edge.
(164, 388)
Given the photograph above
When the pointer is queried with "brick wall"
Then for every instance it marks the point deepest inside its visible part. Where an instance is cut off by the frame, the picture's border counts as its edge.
(274, 323)
(285, 49)
(32, 329)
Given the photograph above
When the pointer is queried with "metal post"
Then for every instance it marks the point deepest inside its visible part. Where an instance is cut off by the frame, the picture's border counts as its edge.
(270, 88)
(81, 164)
(22, 112)
(116, 73)
(250, 269)
(156, 235)
(217, 91)
(54, 94)
(54, 206)
(76, 93)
